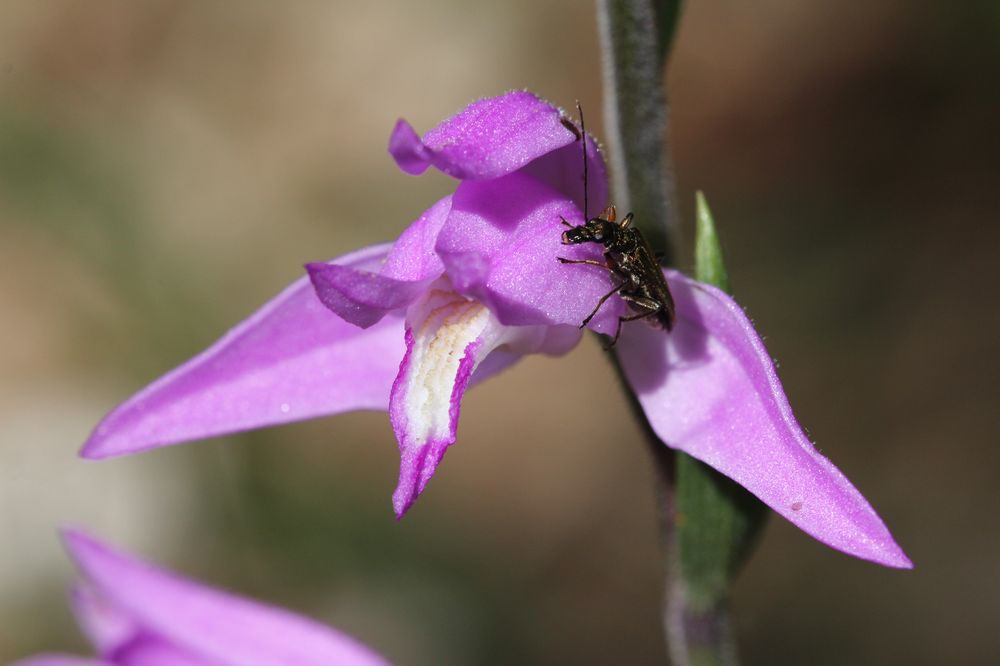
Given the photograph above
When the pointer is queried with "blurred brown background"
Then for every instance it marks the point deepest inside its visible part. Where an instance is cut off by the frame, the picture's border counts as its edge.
(166, 166)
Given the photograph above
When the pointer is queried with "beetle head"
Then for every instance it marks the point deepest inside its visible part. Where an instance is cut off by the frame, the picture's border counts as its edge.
(596, 230)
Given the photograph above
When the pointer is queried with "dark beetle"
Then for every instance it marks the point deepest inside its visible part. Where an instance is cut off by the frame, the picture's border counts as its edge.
(627, 255)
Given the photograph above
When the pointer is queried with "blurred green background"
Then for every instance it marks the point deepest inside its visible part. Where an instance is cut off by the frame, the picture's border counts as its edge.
(168, 165)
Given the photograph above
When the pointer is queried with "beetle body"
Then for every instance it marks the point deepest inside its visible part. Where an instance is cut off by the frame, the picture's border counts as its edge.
(630, 259)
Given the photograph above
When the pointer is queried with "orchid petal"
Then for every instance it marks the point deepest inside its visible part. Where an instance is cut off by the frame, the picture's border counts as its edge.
(106, 626)
(487, 139)
(293, 359)
(154, 651)
(562, 170)
(362, 297)
(501, 245)
(188, 619)
(412, 256)
(710, 389)
(447, 338)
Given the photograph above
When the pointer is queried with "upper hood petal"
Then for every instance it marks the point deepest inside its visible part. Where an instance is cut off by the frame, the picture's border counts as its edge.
(487, 139)
(499, 135)
(710, 389)
(293, 359)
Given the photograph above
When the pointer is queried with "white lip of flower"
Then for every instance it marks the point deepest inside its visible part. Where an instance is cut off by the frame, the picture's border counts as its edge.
(447, 337)
(451, 336)
(450, 323)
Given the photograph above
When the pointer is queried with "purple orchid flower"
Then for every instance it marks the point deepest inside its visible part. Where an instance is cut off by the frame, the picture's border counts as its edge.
(138, 615)
(470, 287)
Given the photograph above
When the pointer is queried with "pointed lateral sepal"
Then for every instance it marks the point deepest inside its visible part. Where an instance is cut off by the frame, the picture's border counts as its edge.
(710, 389)
(291, 360)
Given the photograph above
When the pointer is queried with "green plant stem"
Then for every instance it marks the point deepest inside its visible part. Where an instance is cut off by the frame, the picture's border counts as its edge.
(708, 524)
(635, 112)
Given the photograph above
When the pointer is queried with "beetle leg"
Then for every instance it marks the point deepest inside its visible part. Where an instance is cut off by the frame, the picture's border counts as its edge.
(641, 301)
(565, 223)
(592, 262)
(652, 307)
(600, 303)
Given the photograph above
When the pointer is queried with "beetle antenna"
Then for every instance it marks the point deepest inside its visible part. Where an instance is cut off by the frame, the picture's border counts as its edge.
(583, 131)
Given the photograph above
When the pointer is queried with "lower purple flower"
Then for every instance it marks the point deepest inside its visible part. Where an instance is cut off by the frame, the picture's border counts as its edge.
(138, 615)
(469, 288)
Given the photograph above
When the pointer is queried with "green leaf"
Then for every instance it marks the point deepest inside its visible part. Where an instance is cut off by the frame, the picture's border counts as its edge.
(718, 521)
(709, 266)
